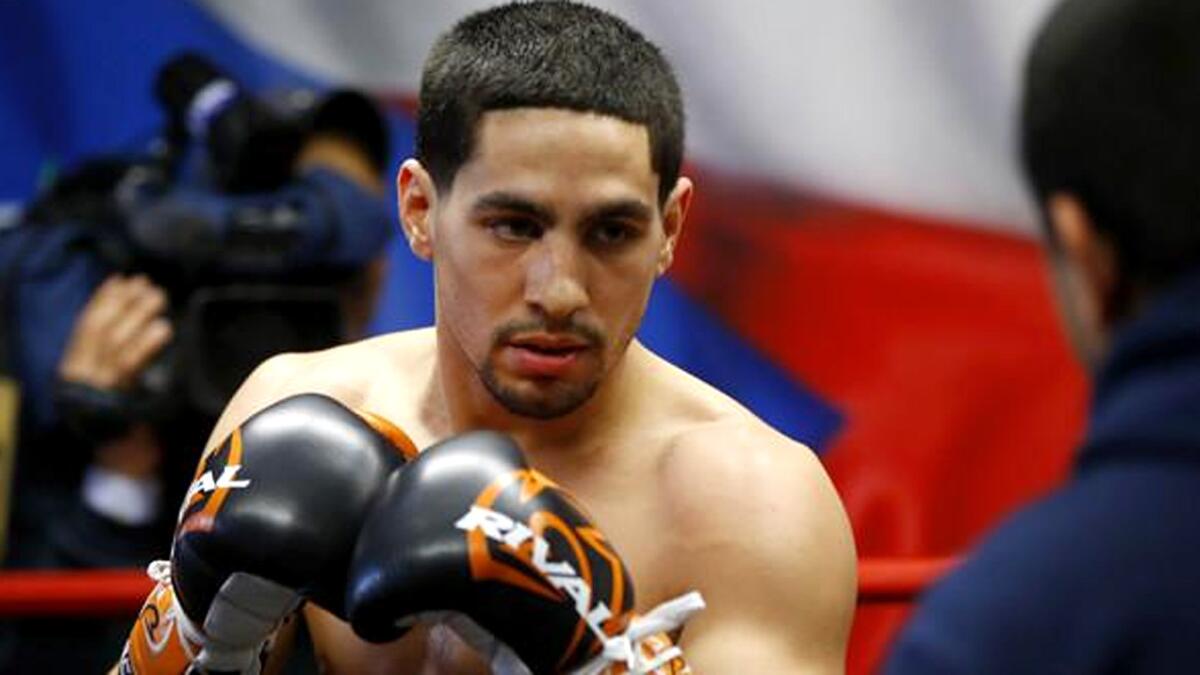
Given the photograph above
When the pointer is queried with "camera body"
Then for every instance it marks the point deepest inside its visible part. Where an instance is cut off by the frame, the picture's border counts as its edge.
(253, 256)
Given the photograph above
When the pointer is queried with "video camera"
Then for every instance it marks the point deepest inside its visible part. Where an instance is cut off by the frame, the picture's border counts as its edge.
(250, 253)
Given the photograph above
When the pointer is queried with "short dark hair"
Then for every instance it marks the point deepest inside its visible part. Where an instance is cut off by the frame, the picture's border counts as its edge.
(549, 54)
(1111, 113)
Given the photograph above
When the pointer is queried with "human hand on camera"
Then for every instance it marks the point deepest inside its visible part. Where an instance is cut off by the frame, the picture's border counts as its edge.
(120, 329)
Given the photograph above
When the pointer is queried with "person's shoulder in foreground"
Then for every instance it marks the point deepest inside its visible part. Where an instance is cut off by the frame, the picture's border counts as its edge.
(1097, 578)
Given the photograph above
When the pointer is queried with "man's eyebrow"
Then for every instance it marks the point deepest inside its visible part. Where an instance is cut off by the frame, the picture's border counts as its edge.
(507, 201)
(622, 209)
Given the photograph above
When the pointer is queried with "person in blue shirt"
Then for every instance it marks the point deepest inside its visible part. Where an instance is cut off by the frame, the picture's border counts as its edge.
(105, 449)
(1103, 575)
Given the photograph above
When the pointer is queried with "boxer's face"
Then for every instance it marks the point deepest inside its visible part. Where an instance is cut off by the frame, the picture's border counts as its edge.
(545, 250)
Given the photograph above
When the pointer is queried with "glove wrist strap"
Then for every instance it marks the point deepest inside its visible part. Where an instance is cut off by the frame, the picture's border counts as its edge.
(237, 629)
(244, 615)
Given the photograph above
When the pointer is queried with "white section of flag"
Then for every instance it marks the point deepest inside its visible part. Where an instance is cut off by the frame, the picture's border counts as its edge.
(904, 105)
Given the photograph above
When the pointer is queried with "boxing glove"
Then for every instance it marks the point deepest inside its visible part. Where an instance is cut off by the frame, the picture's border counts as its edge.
(271, 519)
(470, 535)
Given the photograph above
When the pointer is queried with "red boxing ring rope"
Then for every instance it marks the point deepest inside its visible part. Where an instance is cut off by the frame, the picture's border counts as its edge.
(117, 592)
(898, 580)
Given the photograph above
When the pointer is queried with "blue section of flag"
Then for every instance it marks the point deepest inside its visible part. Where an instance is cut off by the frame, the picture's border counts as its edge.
(407, 298)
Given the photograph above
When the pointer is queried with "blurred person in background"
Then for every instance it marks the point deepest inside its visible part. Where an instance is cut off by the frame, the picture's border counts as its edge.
(1100, 576)
(139, 291)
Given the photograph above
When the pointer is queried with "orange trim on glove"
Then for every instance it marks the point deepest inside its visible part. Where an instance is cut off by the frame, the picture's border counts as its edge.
(156, 646)
(392, 432)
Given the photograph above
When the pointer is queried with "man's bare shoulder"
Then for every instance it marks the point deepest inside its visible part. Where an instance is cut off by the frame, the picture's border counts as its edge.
(755, 474)
(759, 529)
(346, 372)
(349, 373)
(716, 450)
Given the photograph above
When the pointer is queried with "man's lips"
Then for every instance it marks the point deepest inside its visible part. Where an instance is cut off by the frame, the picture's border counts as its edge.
(545, 356)
(549, 342)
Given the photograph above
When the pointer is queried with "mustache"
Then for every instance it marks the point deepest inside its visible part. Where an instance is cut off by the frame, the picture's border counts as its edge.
(593, 336)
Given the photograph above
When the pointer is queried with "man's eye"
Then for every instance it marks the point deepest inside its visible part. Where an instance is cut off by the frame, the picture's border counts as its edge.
(611, 234)
(515, 229)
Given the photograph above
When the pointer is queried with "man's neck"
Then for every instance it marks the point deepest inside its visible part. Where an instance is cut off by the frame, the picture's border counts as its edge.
(459, 402)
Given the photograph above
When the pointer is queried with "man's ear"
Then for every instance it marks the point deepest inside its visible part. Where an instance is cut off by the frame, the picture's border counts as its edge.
(674, 213)
(417, 200)
(1087, 250)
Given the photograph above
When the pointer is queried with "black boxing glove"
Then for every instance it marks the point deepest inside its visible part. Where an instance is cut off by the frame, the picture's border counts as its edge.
(469, 534)
(271, 519)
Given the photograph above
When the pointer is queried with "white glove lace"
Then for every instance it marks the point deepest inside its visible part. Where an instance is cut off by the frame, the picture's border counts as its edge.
(624, 648)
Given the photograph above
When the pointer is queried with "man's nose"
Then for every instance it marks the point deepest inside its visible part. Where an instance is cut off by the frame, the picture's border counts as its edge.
(555, 277)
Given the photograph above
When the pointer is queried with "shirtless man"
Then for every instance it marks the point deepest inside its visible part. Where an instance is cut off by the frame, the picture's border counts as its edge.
(546, 193)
